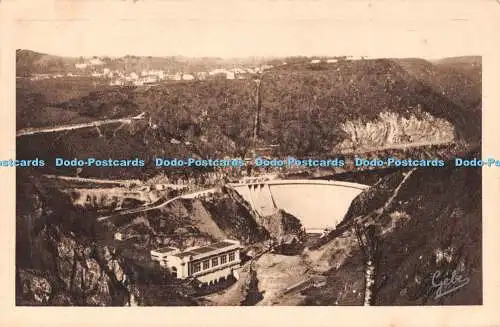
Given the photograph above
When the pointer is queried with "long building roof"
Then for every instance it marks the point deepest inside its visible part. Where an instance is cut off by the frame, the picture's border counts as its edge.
(165, 249)
(206, 249)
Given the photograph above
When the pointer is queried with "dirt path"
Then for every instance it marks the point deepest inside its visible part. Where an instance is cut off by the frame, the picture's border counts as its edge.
(233, 295)
(276, 273)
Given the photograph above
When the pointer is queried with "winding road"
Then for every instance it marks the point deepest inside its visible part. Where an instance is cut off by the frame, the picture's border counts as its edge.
(96, 123)
(157, 204)
(96, 180)
(123, 182)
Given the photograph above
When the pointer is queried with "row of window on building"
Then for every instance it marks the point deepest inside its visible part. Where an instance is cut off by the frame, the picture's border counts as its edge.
(205, 264)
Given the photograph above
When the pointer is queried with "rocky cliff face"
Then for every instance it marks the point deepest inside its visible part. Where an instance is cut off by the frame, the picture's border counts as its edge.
(390, 129)
(112, 198)
(79, 276)
(281, 223)
(192, 222)
(62, 257)
(235, 218)
(286, 231)
(58, 262)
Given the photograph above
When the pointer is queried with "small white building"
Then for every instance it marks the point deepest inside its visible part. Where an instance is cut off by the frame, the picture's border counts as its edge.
(37, 77)
(81, 66)
(158, 73)
(187, 77)
(219, 71)
(96, 62)
(331, 61)
(201, 75)
(208, 264)
(315, 61)
(174, 77)
(117, 82)
(149, 79)
(119, 236)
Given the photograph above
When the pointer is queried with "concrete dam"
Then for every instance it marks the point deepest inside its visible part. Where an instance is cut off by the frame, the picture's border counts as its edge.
(318, 204)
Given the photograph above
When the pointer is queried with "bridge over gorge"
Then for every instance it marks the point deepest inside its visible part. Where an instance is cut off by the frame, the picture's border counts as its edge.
(317, 203)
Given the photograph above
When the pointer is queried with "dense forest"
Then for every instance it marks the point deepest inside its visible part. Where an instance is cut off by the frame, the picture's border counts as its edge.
(303, 109)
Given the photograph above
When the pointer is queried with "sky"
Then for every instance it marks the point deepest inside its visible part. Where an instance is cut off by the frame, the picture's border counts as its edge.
(379, 28)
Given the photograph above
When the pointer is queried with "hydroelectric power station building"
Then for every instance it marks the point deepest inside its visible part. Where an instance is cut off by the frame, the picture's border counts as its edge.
(208, 264)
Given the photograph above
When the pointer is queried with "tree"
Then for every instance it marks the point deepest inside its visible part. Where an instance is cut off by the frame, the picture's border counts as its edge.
(370, 247)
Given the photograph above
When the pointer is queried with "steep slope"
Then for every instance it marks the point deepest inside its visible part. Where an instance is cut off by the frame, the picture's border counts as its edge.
(470, 66)
(207, 119)
(30, 62)
(64, 258)
(188, 222)
(424, 222)
(235, 219)
(55, 259)
(457, 79)
(286, 231)
(304, 110)
(310, 104)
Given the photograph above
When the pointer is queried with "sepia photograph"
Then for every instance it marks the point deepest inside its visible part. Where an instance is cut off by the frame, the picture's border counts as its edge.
(179, 181)
(272, 154)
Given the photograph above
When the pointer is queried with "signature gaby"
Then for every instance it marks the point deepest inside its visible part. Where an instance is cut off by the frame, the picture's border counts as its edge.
(446, 283)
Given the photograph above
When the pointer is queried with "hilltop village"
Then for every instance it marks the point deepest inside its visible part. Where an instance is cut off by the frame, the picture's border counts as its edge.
(97, 68)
